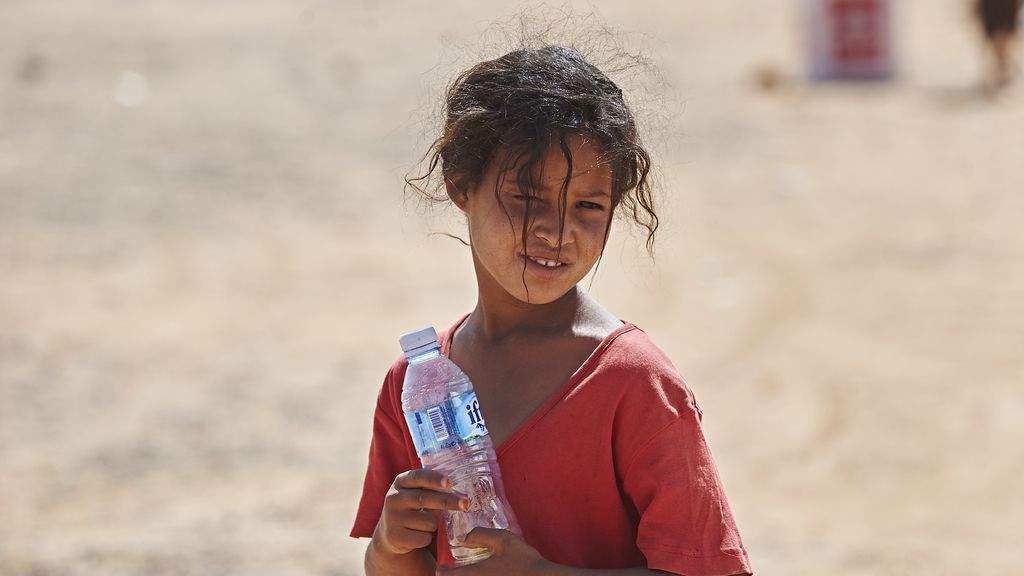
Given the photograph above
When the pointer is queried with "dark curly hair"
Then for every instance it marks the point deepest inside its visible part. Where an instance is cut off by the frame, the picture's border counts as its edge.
(511, 109)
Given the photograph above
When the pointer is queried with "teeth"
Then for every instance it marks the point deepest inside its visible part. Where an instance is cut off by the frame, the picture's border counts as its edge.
(548, 263)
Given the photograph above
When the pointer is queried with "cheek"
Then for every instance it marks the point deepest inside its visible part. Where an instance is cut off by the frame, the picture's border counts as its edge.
(505, 227)
(496, 229)
(594, 229)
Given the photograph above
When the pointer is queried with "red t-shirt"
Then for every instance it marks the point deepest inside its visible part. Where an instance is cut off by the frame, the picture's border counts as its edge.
(612, 471)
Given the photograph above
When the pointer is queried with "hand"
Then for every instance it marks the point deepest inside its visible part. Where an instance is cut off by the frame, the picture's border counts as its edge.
(510, 556)
(412, 509)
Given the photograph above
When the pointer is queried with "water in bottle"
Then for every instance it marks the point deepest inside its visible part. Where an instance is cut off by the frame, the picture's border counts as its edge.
(450, 435)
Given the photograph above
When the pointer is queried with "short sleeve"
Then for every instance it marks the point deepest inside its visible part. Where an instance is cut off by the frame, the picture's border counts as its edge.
(389, 456)
(686, 526)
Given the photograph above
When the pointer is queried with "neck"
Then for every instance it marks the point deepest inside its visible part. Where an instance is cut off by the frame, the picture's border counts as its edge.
(497, 320)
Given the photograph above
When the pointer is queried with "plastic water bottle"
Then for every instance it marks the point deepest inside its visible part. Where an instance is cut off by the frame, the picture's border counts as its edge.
(450, 435)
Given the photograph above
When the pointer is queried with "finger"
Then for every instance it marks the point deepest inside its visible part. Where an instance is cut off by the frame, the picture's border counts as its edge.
(433, 500)
(421, 520)
(415, 538)
(423, 478)
(493, 539)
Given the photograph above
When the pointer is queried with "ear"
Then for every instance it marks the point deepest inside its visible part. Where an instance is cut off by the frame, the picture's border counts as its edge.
(456, 187)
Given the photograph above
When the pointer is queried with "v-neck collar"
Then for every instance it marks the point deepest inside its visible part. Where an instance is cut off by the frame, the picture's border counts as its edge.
(556, 397)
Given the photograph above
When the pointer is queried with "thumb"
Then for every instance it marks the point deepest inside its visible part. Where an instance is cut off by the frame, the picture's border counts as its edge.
(493, 539)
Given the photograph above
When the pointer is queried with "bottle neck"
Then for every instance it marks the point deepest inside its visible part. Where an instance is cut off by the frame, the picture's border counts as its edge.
(417, 356)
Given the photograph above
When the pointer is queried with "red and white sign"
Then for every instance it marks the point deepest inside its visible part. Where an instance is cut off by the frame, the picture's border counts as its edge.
(849, 38)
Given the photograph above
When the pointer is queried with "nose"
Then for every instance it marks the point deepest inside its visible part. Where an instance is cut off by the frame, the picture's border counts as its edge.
(545, 223)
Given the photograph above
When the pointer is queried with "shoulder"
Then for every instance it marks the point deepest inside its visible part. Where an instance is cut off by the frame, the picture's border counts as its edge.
(389, 397)
(631, 349)
(643, 376)
(653, 412)
(631, 353)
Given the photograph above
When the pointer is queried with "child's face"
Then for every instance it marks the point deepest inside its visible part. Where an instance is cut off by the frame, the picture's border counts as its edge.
(495, 231)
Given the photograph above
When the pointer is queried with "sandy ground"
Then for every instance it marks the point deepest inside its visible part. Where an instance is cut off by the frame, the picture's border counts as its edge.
(205, 262)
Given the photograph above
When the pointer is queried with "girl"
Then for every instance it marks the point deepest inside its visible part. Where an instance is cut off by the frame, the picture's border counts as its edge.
(598, 437)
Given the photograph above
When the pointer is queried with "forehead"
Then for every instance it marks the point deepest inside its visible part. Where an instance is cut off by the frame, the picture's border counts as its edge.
(588, 162)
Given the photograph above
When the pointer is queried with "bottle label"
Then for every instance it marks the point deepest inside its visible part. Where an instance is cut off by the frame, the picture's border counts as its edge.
(455, 421)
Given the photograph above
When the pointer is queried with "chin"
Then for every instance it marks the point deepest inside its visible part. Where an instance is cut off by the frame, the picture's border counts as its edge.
(538, 297)
(534, 301)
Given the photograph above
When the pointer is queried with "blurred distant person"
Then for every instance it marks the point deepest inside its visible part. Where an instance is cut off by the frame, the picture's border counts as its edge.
(999, 19)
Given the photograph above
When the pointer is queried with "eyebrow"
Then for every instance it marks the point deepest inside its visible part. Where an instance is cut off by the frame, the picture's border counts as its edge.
(587, 194)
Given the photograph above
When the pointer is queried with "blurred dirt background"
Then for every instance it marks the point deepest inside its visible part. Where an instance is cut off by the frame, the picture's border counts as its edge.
(205, 262)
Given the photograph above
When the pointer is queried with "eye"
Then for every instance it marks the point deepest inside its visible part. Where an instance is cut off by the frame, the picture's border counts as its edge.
(526, 197)
(589, 205)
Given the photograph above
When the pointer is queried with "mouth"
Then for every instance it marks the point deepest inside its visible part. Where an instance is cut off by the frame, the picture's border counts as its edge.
(547, 263)
(548, 268)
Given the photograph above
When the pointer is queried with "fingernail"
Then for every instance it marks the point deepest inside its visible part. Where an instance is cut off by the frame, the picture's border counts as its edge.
(464, 504)
(447, 483)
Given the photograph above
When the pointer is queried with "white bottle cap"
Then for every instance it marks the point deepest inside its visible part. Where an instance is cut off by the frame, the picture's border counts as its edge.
(419, 341)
